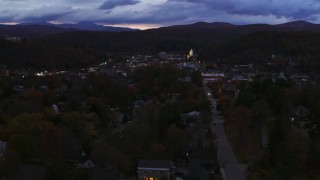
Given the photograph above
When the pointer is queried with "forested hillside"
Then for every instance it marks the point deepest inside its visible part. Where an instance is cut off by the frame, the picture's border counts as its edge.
(231, 43)
(260, 46)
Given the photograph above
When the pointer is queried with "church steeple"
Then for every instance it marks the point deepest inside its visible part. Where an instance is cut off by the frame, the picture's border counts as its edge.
(191, 54)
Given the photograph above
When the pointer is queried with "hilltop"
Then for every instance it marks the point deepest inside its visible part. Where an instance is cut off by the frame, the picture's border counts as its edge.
(242, 43)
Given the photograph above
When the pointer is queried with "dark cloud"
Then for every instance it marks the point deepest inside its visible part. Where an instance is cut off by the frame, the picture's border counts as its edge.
(110, 4)
(163, 12)
(44, 18)
(44, 13)
(6, 16)
(295, 9)
(167, 13)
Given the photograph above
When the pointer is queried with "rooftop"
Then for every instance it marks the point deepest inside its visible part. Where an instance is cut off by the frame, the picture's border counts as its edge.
(154, 164)
(32, 172)
(3, 146)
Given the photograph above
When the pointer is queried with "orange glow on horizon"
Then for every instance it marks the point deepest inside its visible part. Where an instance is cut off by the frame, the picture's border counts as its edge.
(9, 23)
(135, 26)
(61, 22)
(132, 26)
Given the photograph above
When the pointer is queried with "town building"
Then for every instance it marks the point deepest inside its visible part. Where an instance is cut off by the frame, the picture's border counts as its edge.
(154, 169)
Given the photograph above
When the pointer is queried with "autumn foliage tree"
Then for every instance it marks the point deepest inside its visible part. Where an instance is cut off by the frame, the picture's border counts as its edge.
(242, 118)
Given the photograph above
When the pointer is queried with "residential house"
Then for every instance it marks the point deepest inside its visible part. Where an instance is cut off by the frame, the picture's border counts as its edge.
(300, 78)
(63, 106)
(154, 169)
(44, 88)
(213, 76)
(239, 77)
(202, 172)
(63, 88)
(85, 162)
(13, 38)
(3, 70)
(203, 161)
(229, 89)
(202, 158)
(31, 172)
(187, 65)
(137, 105)
(281, 77)
(3, 146)
(197, 175)
(193, 115)
(18, 88)
(300, 114)
(109, 72)
(186, 79)
(244, 68)
(164, 55)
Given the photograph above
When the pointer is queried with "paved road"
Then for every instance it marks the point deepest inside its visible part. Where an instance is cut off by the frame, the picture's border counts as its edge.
(228, 161)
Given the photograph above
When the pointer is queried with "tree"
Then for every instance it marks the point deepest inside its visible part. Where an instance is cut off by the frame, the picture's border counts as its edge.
(277, 140)
(244, 99)
(58, 170)
(67, 144)
(87, 145)
(169, 114)
(157, 151)
(175, 140)
(260, 111)
(9, 164)
(276, 98)
(32, 124)
(104, 154)
(313, 161)
(100, 155)
(53, 81)
(81, 124)
(2, 120)
(59, 144)
(242, 117)
(196, 78)
(100, 108)
(25, 145)
(224, 105)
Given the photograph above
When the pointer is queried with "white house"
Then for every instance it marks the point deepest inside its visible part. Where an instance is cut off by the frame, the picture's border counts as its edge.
(154, 169)
(3, 146)
(85, 162)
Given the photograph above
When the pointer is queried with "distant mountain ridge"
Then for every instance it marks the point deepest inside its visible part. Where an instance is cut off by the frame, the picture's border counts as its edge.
(42, 29)
(96, 27)
(84, 26)
(298, 24)
(294, 25)
(215, 25)
(29, 31)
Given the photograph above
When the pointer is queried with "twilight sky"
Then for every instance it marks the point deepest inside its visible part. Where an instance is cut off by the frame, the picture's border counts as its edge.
(154, 13)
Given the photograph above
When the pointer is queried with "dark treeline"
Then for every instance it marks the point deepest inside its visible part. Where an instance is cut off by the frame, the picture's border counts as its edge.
(259, 46)
(230, 46)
